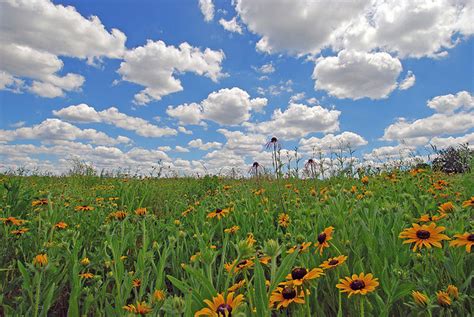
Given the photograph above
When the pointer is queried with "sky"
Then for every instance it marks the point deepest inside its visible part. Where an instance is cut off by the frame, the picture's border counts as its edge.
(200, 86)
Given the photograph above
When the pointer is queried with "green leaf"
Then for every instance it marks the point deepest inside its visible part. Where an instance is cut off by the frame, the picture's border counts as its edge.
(261, 298)
(284, 269)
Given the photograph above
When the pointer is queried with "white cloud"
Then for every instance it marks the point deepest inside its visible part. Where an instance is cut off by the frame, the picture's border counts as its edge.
(242, 144)
(331, 142)
(390, 153)
(356, 75)
(267, 68)
(418, 131)
(155, 65)
(226, 107)
(295, 26)
(23, 61)
(275, 90)
(8, 82)
(443, 143)
(297, 97)
(18, 124)
(86, 114)
(181, 149)
(184, 130)
(298, 120)
(449, 103)
(34, 33)
(408, 28)
(51, 130)
(207, 9)
(199, 144)
(408, 82)
(231, 25)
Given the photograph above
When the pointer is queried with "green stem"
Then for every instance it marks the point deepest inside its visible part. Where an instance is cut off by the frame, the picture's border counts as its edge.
(37, 296)
(362, 307)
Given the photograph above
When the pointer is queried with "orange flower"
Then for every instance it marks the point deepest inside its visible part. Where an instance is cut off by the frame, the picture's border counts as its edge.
(12, 221)
(140, 308)
(365, 180)
(333, 262)
(358, 284)
(61, 225)
(218, 213)
(140, 211)
(284, 296)
(232, 229)
(39, 202)
(300, 275)
(136, 283)
(443, 299)
(20, 231)
(40, 260)
(159, 295)
(424, 236)
(86, 275)
(83, 208)
(219, 306)
(301, 248)
(323, 239)
(468, 203)
(446, 207)
(419, 298)
(466, 239)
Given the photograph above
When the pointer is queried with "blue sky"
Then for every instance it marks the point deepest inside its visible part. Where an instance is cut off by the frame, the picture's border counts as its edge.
(111, 82)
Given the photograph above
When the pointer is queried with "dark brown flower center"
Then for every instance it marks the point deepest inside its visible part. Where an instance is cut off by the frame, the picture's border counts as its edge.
(224, 309)
(242, 263)
(470, 237)
(218, 211)
(322, 237)
(298, 273)
(255, 164)
(423, 234)
(288, 293)
(333, 262)
(357, 285)
(274, 140)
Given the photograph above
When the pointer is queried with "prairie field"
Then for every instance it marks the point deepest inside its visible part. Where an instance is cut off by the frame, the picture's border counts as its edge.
(91, 246)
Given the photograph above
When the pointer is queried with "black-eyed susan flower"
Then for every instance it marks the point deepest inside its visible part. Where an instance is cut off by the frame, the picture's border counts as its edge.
(468, 203)
(139, 308)
(40, 260)
(443, 299)
(39, 202)
(159, 295)
(419, 298)
(365, 180)
(232, 229)
(220, 306)
(250, 239)
(323, 239)
(218, 213)
(12, 221)
(300, 275)
(140, 211)
(428, 218)
(86, 275)
(283, 220)
(85, 261)
(240, 266)
(358, 284)
(303, 247)
(333, 262)
(236, 286)
(446, 207)
(465, 239)
(83, 208)
(136, 283)
(118, 215)
(424, 236)
(284, 296)
(20, 231)
(452, 291)
(61, 225)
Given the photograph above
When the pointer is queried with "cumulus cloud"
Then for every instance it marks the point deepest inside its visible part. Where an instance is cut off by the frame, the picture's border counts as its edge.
(267, 68)
(297, 121)
(447, 121)
(231, 25)
(51, 130)
(356, 75)
(34, 33)
(181, 149)
(83, 113)
(298, 27)
(155, 66)
(384, 153)
(199, 144)
(241, 143)
(450, 103)
(408, 81)
(406, 28)
(442, 143)
(207, 9)
(331, 142)
(226, 107)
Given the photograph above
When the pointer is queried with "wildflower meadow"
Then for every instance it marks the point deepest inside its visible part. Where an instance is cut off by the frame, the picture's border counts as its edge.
(393, 243)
